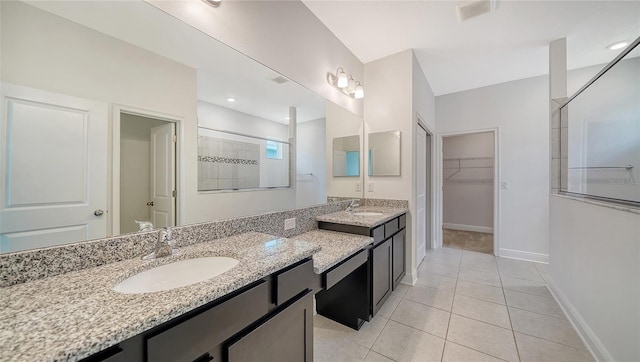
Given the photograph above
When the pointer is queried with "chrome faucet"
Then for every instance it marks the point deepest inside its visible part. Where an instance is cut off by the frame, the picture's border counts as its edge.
(144, 226)
(354, 203)
(165, 245)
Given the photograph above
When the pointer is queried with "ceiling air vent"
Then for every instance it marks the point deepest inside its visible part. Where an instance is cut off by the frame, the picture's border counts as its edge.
(470, 9)
(280, 79)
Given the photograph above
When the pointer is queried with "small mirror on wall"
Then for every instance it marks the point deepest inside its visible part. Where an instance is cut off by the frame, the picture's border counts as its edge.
(384, 153)
(346, 156)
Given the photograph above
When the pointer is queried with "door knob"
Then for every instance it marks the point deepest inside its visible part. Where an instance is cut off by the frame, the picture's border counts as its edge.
(98, 212)
(150, 203)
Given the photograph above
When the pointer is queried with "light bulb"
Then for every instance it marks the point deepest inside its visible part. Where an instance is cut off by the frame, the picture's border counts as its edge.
(359, 92)
(618, 45)
(343, 81)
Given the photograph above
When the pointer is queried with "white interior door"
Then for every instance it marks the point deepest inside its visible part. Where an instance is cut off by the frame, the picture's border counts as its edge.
(54, 168)
(163, 175)
(422, 191)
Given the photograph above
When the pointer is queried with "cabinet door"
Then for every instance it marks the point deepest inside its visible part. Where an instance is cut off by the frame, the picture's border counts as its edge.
(285, 337)
(399, 246)
(381, 274)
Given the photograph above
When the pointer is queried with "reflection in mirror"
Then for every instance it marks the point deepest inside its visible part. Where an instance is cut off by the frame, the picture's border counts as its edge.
(346, 156)
(230, 161)
(68, 64)
(344, 130)
(384, 153)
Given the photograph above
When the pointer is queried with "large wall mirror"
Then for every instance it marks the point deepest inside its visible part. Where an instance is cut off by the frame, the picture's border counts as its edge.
(105, 122)
(346, 156)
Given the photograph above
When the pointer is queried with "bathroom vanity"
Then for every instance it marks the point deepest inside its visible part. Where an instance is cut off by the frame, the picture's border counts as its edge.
(262, 308)
(386, 257)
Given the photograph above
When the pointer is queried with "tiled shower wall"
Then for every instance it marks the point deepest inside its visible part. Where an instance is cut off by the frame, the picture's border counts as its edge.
(225, 164)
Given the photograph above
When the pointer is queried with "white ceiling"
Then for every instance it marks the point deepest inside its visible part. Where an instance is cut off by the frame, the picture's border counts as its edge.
(508, 44)
(222, 72)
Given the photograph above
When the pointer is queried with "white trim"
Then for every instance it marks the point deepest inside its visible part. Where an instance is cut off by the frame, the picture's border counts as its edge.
(496, 180)
(588, 337)
(115, 161)
(410, 279)
(479, 229)
(524, 255)
(432, 182)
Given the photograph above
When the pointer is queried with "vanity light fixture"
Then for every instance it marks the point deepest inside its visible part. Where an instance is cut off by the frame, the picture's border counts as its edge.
(346, 84)
(214, 3)
(618, 45)
(230, 99)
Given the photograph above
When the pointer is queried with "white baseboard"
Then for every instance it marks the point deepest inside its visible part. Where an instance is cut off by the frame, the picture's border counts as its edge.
(479, 229)
(589, 338)
(410, 278)
(524, 255)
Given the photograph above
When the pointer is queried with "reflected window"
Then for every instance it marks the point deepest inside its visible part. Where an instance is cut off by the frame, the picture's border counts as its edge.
(274, 150)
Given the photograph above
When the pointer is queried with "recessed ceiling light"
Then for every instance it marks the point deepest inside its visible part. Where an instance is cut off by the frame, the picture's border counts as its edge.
(618, 45)
(231, 99)
(214, 3)
(286, 118)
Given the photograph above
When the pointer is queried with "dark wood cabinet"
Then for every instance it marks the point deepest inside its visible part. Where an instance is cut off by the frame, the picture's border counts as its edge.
(287, 336)
(268, 320)
(399, 265)
(381, 275)
(387, 264)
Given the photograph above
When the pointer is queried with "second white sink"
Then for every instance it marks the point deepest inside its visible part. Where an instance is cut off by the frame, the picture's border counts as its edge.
(367, 213)
(176, 275)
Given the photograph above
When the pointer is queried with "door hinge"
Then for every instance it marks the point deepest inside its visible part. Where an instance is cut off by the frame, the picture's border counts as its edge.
(175, 193)
(174, 138)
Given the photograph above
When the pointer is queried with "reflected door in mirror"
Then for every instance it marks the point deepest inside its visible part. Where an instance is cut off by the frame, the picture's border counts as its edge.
(54, 151)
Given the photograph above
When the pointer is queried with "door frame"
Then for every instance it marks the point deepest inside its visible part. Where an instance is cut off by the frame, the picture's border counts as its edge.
(431, 242)
(114, 194)
(496, 181)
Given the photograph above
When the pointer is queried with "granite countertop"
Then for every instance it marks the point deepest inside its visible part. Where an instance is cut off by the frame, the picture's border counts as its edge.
(371, 221)
(336, 247)
(72, 316)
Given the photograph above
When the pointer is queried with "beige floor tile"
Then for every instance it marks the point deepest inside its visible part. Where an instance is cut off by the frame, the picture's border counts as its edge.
(526, 286)
(542, 268)
(550, 328)
(439, 298)
(457, 353)
(481, 310)
(389, 306)
(481, 277)
(480, 291)
(376, 357)
(422, 317)
(540, 350)
(319, 320)
(446, 259)
(401, 289)
(403, 343)
(450, 271)
(469, 255)
(479, 265)
(534, 303)
(436, 281)
(329, 346)
(483, 337)
(522, 272)
(364, 337)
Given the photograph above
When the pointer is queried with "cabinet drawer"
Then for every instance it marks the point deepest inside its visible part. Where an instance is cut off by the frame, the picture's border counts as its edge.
(402, 220)
(377, 234)
(291, 282)
(197, 335)
(333, 276)
(391, 227)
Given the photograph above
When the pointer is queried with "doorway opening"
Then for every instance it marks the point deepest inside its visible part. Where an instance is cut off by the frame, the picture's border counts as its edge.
(147, 177)
(424, 190)
(468, 191)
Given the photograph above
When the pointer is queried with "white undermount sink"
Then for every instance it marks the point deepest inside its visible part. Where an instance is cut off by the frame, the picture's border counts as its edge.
(367, 213)
(176, 275)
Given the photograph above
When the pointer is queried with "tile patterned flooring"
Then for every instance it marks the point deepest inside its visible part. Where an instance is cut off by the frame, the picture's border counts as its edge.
(466, 307)
(468, 240)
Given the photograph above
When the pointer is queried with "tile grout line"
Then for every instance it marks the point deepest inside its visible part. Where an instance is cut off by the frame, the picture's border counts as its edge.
(446, 334)
(513, 332)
